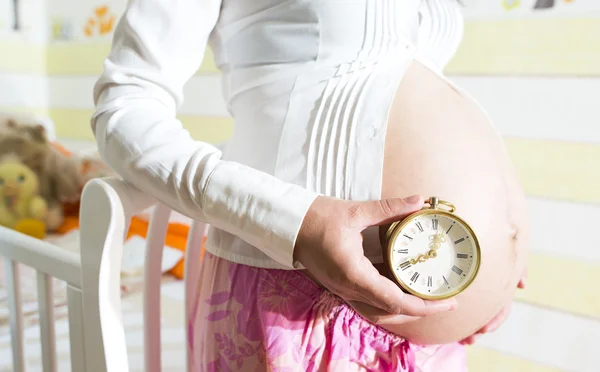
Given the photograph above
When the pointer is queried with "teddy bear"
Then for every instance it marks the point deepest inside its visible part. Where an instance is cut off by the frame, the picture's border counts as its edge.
(21, 206)
(58, 176)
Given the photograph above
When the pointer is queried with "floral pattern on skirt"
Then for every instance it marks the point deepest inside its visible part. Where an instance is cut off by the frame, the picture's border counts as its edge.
(254, 319)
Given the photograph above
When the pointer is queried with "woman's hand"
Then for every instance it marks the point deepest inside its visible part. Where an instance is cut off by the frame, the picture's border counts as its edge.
(498, 320)
(329, 246)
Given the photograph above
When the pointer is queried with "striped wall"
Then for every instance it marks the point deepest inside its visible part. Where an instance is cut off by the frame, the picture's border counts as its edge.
(23, 49)
(538, 75)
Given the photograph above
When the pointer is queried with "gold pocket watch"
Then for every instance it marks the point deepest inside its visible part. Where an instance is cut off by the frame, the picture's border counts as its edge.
(432, 254)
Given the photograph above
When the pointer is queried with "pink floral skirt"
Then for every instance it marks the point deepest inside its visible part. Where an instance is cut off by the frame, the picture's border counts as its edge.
(253, 319)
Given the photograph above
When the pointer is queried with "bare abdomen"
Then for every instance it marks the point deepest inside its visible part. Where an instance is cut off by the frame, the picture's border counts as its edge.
(440, 144)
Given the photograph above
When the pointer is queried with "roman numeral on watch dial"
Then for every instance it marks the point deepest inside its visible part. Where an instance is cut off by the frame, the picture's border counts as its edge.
(434, 224)
(459, 240)
(415, 277)
(457, 270)
(419, 226)
(405, 265)
(462, 255)
(403, 251)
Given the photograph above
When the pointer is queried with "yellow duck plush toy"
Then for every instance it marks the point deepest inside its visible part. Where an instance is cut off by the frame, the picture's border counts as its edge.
(21, 207)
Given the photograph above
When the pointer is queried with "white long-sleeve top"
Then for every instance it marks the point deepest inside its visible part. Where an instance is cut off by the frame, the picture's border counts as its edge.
(309, 84)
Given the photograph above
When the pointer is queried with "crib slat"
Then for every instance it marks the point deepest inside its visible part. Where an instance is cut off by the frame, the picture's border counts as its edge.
(75, 303)
(46, 309)
(15, 312)
(191, 275)
(155, 244)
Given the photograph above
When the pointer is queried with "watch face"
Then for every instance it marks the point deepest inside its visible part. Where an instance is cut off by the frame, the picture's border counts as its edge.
(434, 254)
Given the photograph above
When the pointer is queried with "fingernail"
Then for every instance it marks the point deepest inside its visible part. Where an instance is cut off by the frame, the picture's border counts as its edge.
(412, 199)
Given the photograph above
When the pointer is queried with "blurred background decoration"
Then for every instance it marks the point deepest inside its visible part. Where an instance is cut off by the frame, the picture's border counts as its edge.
(533, 64)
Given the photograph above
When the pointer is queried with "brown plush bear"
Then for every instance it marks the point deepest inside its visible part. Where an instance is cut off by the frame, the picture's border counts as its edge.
(59, 177)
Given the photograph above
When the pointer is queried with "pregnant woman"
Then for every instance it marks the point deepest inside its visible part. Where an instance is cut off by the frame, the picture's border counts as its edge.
(344, 124)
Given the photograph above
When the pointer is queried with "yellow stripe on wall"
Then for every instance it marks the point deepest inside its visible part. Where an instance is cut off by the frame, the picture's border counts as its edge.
(562, 284)
(36, 111)
(75, 124)
(481, 359)
(76, 58)
(67, 59)
(23, 58)
(558, 170)
(529, 46)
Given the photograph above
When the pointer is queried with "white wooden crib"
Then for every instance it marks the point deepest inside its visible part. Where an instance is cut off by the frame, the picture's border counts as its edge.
(96, 330)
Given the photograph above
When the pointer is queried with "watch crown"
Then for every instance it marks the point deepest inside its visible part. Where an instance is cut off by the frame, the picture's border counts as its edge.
(434, 203)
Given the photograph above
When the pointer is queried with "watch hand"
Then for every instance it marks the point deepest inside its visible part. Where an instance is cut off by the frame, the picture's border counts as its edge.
(424, 257)
(437, 241)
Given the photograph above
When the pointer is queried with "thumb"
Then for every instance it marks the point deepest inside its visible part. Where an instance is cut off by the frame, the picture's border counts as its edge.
(381, 212)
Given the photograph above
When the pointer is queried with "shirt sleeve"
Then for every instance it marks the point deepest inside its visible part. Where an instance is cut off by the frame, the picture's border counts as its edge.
(157, 47)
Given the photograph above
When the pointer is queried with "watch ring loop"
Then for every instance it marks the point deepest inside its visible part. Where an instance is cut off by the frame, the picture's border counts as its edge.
(434, 202)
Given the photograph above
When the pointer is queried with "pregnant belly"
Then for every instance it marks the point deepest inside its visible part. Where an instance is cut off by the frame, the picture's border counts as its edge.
(439, 143)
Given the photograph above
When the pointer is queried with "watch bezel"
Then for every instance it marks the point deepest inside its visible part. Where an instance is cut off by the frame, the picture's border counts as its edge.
(394, 231)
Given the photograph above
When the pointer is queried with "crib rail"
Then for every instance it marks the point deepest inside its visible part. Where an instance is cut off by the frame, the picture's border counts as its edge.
(57, 263)
(49, 262)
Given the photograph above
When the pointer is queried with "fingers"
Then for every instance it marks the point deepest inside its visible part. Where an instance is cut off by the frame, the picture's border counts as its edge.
(416, 306)
(380, 212)
(523, 280)
(492, 326)
(378, 316)
(471, 339)
(498, 320)
(370, 287)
